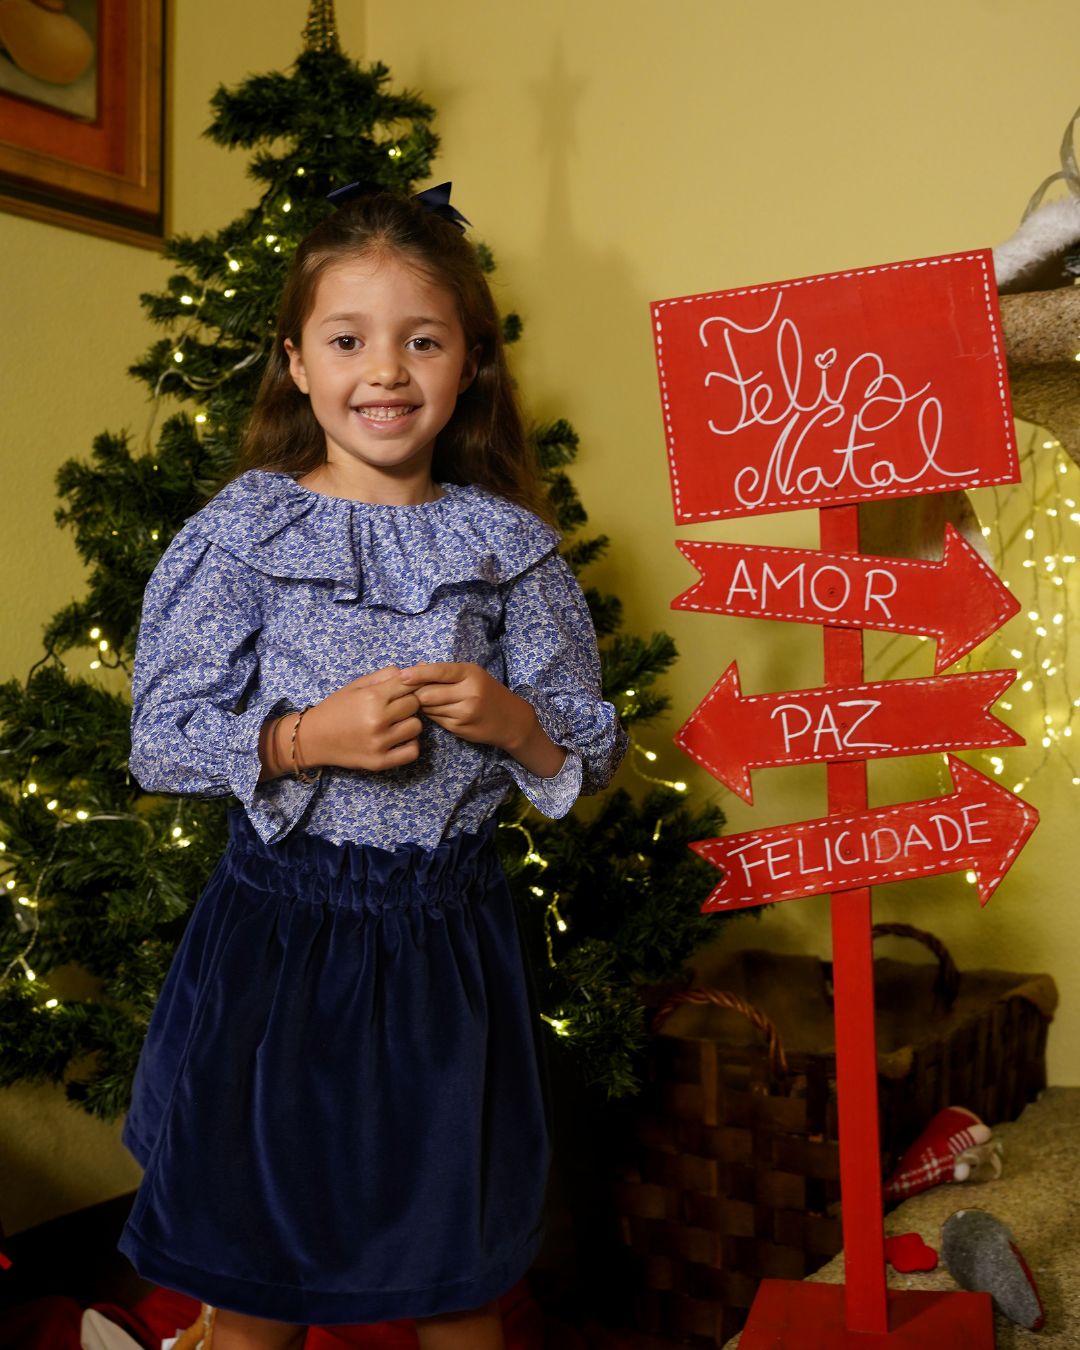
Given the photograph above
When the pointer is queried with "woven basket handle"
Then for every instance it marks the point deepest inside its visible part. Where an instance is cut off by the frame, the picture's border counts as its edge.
(724, 998)
(948, 977)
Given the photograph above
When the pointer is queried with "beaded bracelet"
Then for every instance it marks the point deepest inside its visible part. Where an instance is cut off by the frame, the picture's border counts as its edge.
(294, 765)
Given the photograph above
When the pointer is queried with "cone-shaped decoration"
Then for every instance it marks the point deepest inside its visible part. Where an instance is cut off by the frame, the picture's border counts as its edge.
(320, 31)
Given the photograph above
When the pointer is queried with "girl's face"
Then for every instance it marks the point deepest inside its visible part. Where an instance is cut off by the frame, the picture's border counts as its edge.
(383, 360)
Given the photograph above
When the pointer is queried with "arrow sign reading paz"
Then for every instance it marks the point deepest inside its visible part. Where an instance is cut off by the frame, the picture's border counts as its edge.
(729, 734)
(959, 601)
(981, 826)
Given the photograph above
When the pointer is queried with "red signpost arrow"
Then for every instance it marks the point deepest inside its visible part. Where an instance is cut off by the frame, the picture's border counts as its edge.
(981, 826)
(959, 601)
(729, 734)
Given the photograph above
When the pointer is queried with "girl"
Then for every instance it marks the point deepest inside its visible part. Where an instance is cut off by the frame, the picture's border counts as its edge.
(367, 638)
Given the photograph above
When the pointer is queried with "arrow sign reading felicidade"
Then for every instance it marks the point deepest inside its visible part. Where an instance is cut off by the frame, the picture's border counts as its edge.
(959, 601)
(729, 734)
(981, 826)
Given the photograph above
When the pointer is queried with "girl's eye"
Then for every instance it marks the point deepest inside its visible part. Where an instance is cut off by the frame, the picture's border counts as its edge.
(422, 344)
(345, 343)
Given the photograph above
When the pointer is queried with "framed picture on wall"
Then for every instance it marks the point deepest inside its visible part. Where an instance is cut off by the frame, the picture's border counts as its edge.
(81, 145)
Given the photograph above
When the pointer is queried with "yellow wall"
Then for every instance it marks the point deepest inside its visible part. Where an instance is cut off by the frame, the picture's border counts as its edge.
(611, 153)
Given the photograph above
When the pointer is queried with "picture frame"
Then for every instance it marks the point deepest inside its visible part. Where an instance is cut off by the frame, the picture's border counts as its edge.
(82, 115)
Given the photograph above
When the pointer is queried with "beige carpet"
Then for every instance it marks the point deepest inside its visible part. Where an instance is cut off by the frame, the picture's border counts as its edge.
(1037, 1195)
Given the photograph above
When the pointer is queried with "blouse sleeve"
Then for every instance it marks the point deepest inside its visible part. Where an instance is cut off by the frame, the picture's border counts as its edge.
(549, 648)
(197, 708)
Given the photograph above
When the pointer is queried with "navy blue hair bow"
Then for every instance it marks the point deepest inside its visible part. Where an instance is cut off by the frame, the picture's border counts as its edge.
(436, 200)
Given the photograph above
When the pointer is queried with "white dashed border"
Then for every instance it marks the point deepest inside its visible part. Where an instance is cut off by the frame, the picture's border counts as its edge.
(868, 495)
(959, 771)
(984, 676)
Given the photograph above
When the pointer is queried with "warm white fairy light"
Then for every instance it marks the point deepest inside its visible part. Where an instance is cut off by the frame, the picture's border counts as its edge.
(51, 1002)
(200, 417)
(650, 757)
(1042, 513)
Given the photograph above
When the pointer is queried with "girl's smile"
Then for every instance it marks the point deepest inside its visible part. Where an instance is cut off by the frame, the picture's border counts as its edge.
(383, 360)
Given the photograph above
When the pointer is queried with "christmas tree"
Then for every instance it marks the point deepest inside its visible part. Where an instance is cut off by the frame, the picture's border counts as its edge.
(102, 875)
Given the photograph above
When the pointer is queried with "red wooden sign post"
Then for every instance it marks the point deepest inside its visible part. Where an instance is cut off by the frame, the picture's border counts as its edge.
(824, 392)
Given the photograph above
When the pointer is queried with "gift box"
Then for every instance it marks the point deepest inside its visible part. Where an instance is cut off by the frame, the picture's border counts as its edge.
(735, 1173)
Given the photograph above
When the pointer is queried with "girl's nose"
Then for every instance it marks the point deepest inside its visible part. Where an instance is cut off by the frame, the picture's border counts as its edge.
(383, 366)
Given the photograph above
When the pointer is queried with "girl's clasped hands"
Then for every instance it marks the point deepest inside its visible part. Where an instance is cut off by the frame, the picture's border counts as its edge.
(374, 722)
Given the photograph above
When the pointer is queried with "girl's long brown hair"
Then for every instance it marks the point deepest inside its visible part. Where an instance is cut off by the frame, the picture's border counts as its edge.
(485, 441)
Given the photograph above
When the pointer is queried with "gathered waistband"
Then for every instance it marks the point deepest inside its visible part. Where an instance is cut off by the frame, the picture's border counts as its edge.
(361, 876)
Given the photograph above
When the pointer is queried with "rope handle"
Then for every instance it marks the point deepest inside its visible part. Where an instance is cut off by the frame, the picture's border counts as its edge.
(948, 977)
(724, 998)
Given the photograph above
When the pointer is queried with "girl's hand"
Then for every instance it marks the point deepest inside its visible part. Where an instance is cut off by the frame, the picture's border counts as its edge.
(370, 723)
(464, 699)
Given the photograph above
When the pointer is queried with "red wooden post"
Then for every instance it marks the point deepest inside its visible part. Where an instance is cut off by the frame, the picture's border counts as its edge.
(853, 1001)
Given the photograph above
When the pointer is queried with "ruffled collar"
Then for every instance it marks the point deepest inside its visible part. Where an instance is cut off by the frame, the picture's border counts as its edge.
(384, 555)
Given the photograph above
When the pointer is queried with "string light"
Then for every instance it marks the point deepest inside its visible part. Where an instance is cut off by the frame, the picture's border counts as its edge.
(649, 756)
(1036, 520)
(200, 417)
(51, 1003)
(178, 357)
(234, 266)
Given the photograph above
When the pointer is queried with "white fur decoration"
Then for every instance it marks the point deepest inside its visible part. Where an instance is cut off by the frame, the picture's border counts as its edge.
(1051, 229)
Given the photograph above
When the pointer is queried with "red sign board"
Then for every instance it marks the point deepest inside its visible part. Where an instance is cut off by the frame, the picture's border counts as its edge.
(880, 382)
(980, 826)
(730, 734)
(959, 600)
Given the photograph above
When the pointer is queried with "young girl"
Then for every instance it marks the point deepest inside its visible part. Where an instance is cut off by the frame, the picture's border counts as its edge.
(367, 638)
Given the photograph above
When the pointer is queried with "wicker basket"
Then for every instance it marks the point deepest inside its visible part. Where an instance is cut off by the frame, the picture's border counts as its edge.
(737, 1166)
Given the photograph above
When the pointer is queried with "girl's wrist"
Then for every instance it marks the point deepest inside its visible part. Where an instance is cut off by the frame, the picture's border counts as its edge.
(269, 751)
(532, 747)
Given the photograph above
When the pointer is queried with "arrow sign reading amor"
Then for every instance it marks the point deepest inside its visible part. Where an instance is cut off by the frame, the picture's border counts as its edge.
(729, 734)
(981, 826)
(959, 601)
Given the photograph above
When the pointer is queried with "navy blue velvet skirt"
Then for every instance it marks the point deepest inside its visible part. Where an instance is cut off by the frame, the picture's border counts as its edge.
(341, 1104)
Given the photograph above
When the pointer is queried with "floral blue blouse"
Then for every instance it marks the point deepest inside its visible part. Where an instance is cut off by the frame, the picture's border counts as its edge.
(273, 596)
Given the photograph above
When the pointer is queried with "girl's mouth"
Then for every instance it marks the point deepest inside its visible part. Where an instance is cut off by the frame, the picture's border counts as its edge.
(384, 413)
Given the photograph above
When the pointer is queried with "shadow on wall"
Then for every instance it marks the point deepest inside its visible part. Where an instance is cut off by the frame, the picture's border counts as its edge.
(602, 356)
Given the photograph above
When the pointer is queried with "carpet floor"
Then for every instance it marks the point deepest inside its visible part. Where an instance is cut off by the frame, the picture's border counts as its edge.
(1037, 1196)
